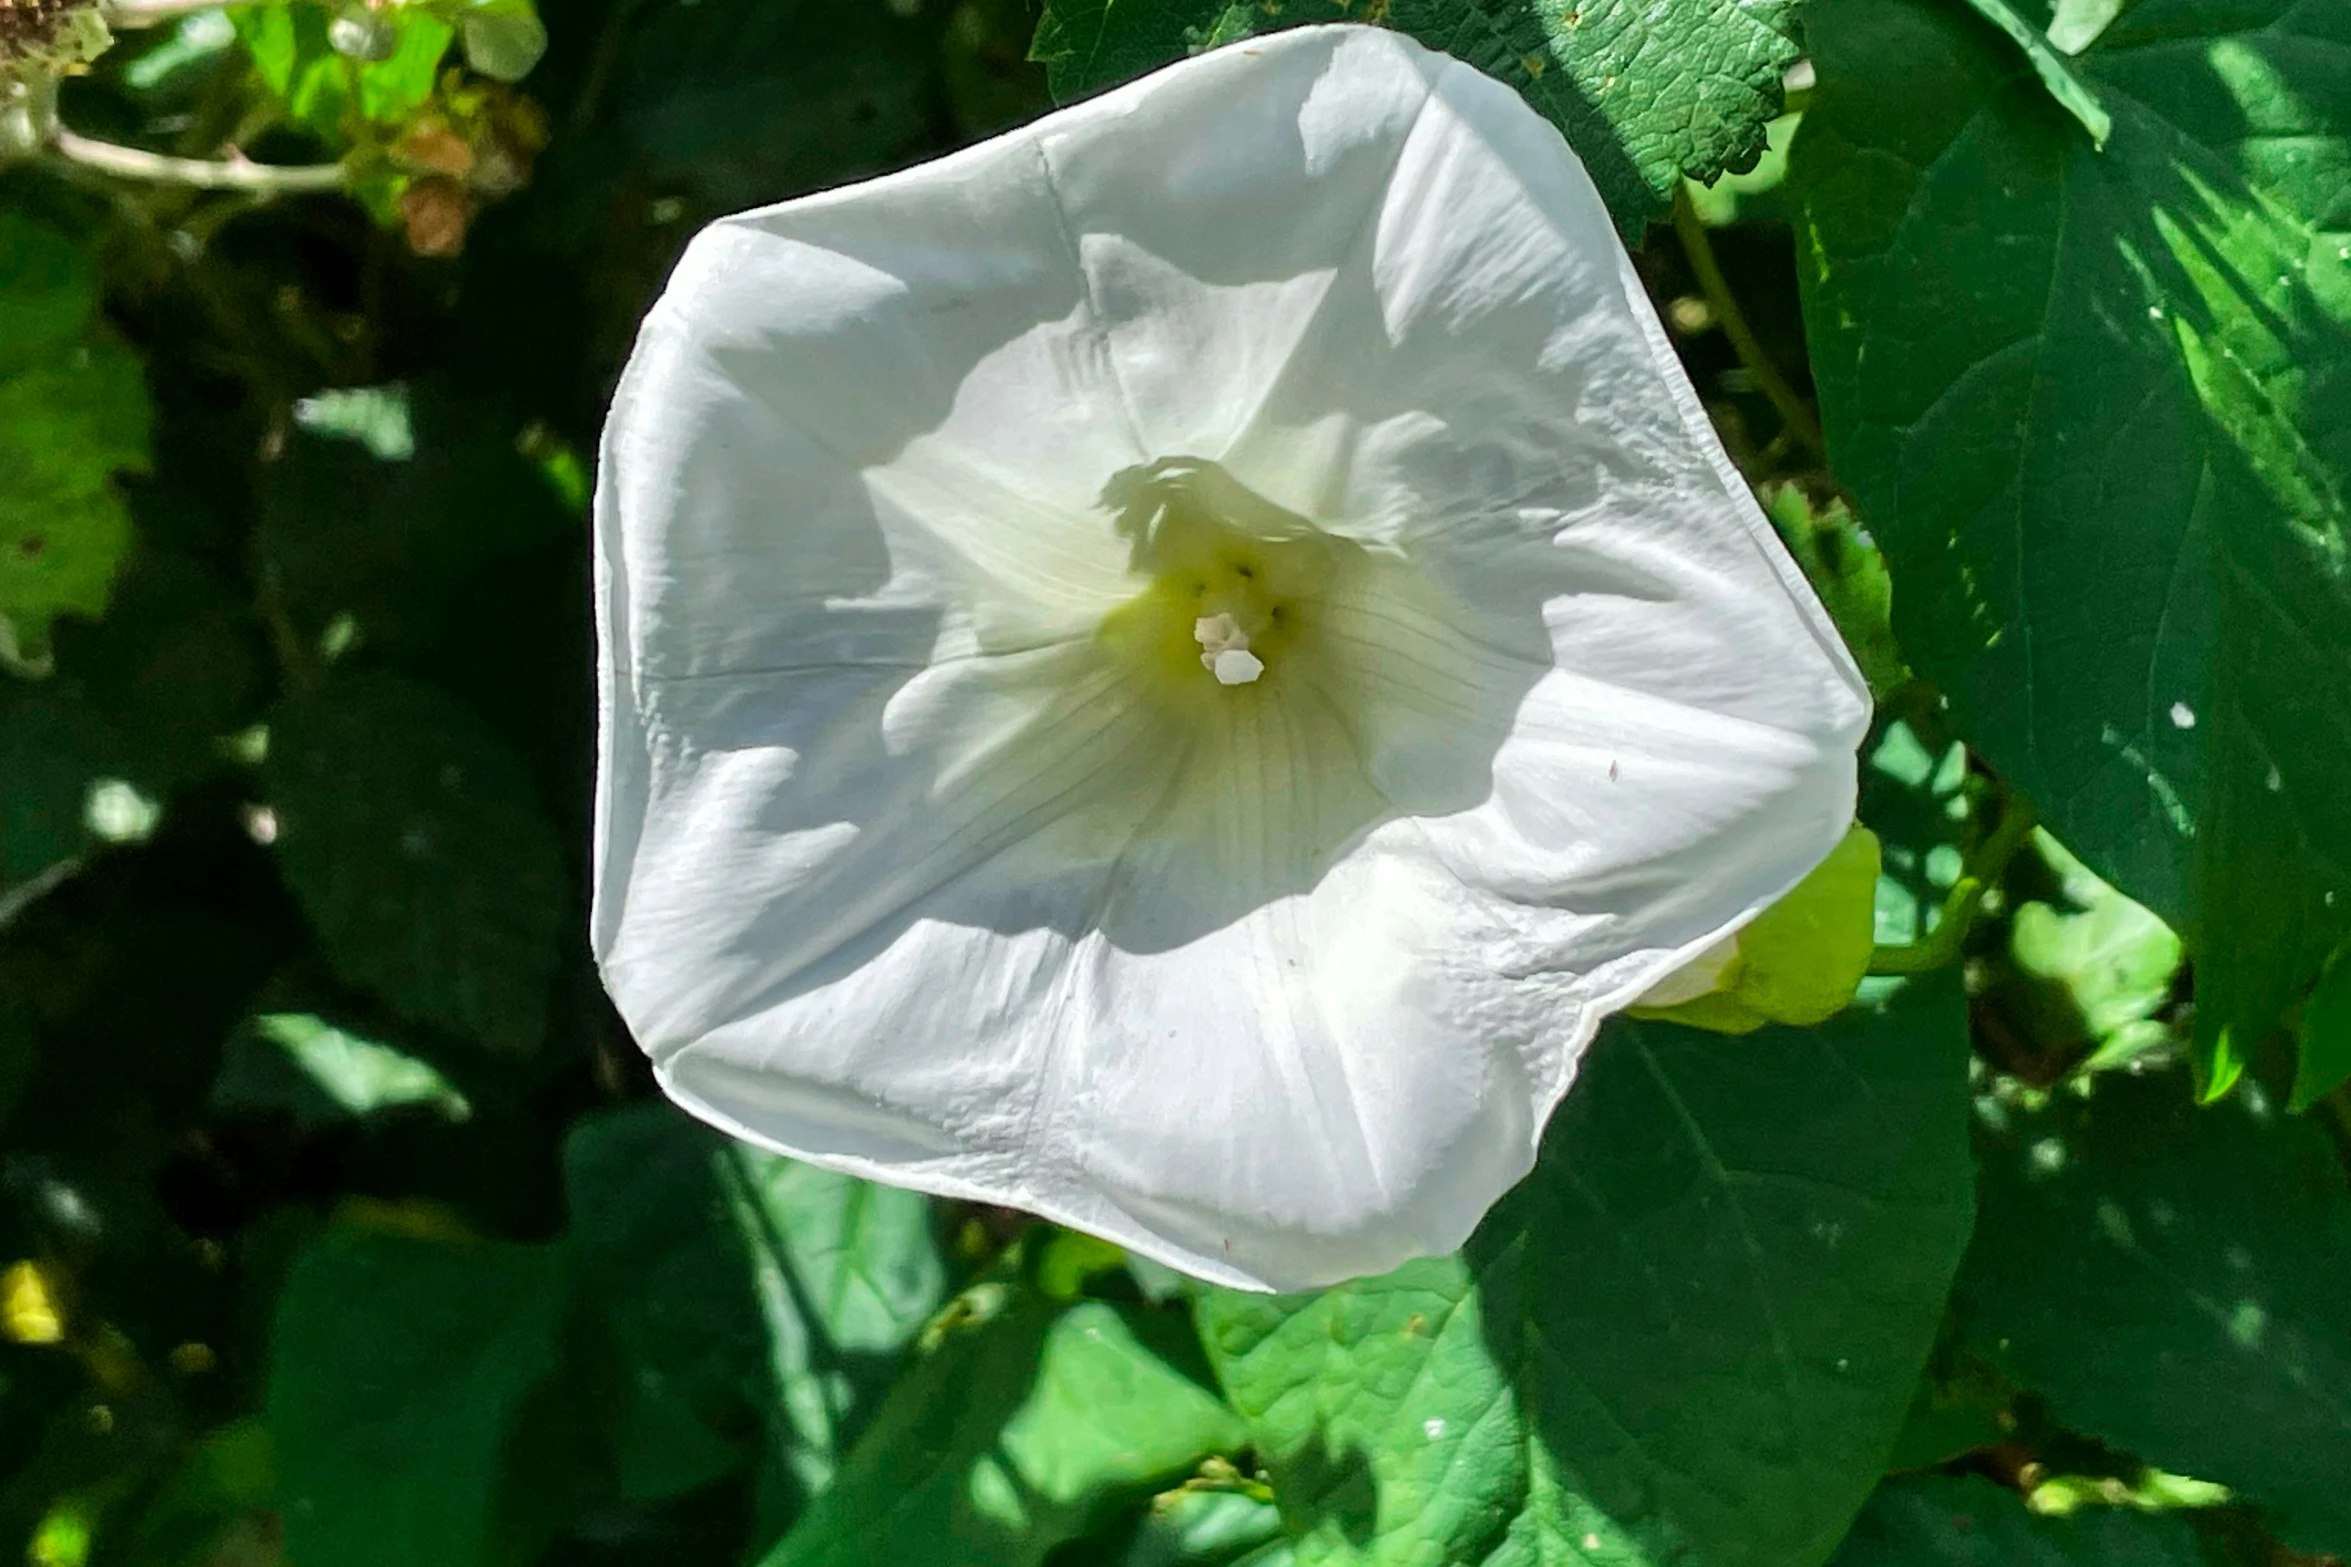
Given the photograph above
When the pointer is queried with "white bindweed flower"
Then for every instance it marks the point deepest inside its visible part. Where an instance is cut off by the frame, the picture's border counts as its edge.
(1168, 669)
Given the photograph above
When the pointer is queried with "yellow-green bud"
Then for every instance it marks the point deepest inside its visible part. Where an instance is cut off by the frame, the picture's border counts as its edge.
(1799, 961)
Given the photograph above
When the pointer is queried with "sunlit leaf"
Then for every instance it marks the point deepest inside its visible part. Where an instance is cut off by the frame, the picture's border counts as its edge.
(2111, 483)
(1644, 93)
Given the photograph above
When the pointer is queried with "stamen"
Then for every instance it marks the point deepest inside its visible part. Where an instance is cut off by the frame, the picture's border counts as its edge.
(1224, 650)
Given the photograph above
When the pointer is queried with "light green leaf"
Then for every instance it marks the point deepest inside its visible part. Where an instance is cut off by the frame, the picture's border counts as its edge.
(1690, 1336)
(747, 1296)
(1733, 197)
(1843, 564)
(2171, 1280)
(1209, 1529)
(1011, 1437)
(1645, 93)
(2111, 488)
(503, 38)
(300, 1062)
(846, 1273)
(1934, 1521)
(299, 64)
(399, 1372)
(374, 417)
(413, 840)
(2050, 66)
(2110, 960)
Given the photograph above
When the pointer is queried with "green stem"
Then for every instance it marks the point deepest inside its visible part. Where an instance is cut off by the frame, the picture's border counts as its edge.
(1940, 947)
(128, 15)
(1793, 414)
(135, 163)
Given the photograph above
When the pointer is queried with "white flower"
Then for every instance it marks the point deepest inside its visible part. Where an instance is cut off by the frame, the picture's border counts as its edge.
(1168, 669)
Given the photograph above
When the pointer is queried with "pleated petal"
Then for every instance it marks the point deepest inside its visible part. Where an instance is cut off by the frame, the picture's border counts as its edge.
(901, 867)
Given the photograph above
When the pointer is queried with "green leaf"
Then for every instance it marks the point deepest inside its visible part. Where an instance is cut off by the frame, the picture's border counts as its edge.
(744, 1293)
(301, 1063)
(399, 1373)
(74, 414)
(1843, 564)
(2171, 1280)
(2326, 1035)
(669, 1277)
(414, 842)
(48, 291)
(2070, 91)
(1690, 1336)
(328, 93)
(1751, 196)
(2103, 967)
(1012, 1437)
(1645, 93)
(1934, 1521)
(503, 38)
(1208, 1529)
(2111, 488)
(51, 752)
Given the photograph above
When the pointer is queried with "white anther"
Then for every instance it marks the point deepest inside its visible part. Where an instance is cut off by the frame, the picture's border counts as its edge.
(1237, 666)
(1224, 650)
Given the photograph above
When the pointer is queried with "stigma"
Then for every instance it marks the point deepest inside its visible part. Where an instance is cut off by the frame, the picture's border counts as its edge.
(1224, 650)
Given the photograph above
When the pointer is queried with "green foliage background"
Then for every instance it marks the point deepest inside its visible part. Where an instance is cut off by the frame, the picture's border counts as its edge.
(342, 1226)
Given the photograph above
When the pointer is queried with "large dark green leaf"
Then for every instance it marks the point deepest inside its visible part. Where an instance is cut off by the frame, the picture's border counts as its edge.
(1941, 1522)
(2111, 488)
(415, 844)
(747, 1297)
(1690, 1336)
(2171, 1280)
(398, 1377)
(1012, 1437)
(1645, 93)
(50, 753)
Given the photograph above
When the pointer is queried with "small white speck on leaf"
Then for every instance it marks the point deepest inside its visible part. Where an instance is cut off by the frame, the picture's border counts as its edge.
(2182, 716)
(1433, 1428)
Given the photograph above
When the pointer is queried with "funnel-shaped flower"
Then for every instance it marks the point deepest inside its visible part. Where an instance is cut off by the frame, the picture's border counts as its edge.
(1168, 669)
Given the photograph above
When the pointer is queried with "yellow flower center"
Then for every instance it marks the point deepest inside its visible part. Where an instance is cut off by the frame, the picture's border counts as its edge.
(1233, 584)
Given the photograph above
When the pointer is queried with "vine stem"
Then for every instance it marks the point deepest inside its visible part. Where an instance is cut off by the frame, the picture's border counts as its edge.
(1939, 948)
(129, 14)
(1691, 230)
(134, 163)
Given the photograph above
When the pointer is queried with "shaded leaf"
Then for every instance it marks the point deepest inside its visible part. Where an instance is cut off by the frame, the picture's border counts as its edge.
(2326, 1035)
(1690, 1335)
(749, 1297)
(398, 1375)
(413, 841)
(2170, 1279)
(1939, 1522)
(2074, 94)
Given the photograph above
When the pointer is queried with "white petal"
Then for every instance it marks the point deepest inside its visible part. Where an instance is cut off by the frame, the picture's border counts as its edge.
(896, 873)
